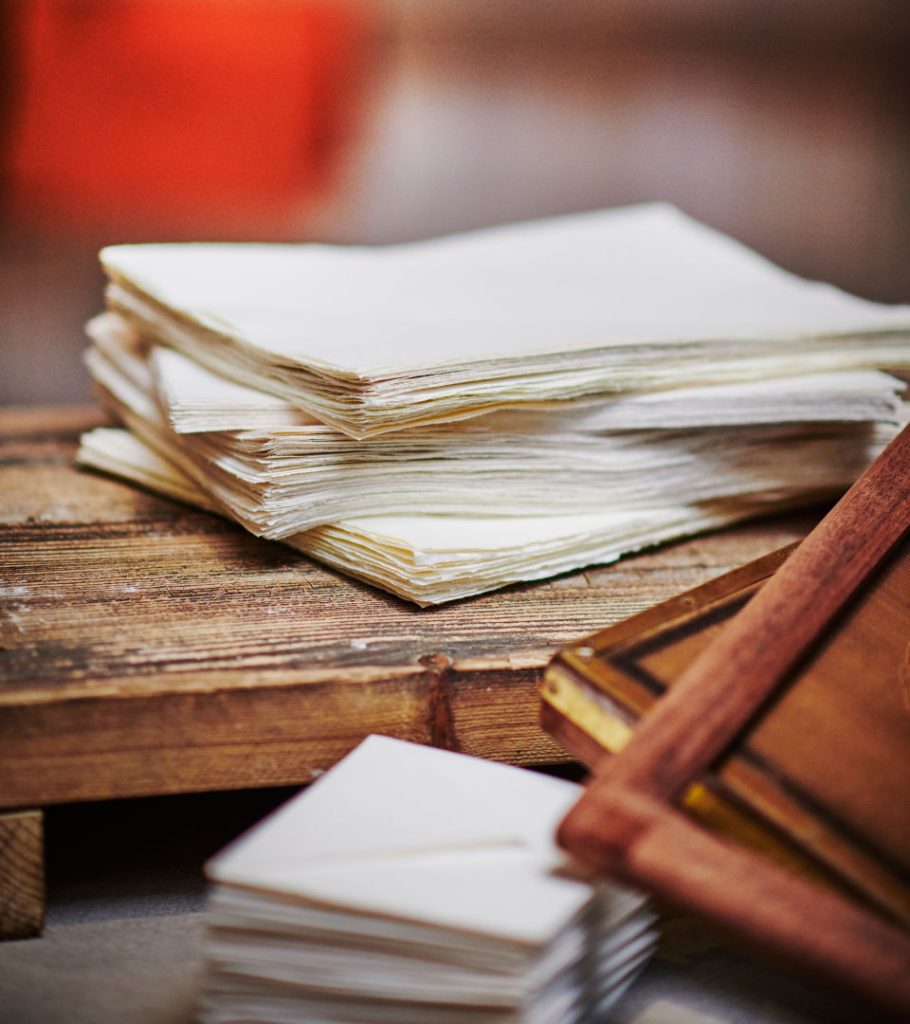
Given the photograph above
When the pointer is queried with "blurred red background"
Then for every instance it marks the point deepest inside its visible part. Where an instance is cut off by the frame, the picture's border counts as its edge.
(212, 117)
(783, 122)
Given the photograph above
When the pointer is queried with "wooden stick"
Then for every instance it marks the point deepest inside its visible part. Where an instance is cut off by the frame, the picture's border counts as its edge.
(724, 687)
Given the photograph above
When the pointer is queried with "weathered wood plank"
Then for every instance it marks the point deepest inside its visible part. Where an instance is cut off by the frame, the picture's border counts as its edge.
(21, 874)
(146, 647)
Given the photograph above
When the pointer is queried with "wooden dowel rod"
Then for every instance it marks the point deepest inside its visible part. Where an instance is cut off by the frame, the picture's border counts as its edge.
(718, 693)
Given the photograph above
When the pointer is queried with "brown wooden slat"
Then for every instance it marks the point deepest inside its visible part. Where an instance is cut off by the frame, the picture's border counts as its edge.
(146, 647)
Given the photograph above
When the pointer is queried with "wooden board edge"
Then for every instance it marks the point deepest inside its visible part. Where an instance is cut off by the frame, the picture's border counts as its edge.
(252, 737)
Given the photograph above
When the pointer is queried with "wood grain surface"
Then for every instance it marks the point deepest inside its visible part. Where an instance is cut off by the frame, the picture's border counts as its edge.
(21, 874)
(843, 743)
(822, 770)
(148, 648)
(656, 848)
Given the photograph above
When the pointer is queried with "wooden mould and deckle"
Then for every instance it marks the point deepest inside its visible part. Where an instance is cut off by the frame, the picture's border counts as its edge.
(780, 719)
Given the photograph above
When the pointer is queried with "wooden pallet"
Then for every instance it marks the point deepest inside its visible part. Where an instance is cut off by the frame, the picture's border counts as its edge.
(147, 648)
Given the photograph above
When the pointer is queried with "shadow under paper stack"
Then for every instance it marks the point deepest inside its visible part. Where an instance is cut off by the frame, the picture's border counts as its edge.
(447, 417)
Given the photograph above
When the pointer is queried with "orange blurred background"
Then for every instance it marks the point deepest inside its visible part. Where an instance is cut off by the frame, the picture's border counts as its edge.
(784, 122)
(198, 116)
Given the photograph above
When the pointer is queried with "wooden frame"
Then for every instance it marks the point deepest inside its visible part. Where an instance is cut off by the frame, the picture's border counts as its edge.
(628, 824)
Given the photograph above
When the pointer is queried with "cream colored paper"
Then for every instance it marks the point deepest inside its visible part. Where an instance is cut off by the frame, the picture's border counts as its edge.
(289, 479)
(412, 881)
(434, 559)
(197, 400)
(375, 339)
(391, 822)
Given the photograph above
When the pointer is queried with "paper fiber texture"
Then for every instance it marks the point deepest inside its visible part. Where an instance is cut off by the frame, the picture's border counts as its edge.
(643, 378)
(433, 559)
(371, 340)
(197, 400)
(432, 812)
(416, 884)
(282, 481)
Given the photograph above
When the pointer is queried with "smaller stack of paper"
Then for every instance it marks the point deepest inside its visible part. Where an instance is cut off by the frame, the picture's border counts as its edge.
(412, 885)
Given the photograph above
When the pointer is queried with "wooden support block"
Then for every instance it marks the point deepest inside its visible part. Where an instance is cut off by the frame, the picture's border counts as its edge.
(21, 874)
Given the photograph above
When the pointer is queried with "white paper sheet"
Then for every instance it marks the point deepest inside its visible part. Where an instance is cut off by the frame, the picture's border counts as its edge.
(373, 340)
(409, 875)
(278, 483)
(431, 560)
(421, 834)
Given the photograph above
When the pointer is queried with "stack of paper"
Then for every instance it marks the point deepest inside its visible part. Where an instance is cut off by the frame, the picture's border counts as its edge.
(251, 375)
(282, 480)
(433, 559)
(414, 885)
(373, 339)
